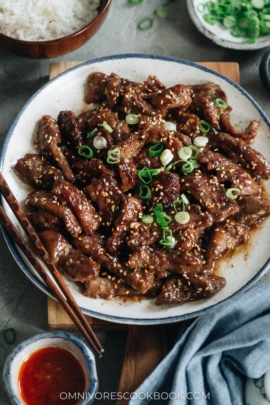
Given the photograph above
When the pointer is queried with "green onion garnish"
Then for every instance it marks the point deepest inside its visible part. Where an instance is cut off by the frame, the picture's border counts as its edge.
(91, 134)
(162, 219)
(113, 156)
(145, 175)
(189, 166)
(219, 102)
(147, 219)
(132, 119)
(85, 151)
(185, 153)
(182, 217)
(144, 192)
(233, 193)
(107, 126)
(184, 198)
(155, 150)
(204, 126)
(166, 157)
(162, 12)
(167, 241)
(146, 24)
(135, 1)
(9, 335)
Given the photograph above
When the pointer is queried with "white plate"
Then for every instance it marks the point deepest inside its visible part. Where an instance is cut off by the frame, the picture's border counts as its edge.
(219, 34)
(66, 92)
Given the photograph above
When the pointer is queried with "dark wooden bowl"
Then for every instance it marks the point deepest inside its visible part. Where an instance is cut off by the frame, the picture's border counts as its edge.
(56, 47)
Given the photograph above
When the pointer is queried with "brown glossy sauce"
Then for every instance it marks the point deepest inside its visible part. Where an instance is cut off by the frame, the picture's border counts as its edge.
(49, 372)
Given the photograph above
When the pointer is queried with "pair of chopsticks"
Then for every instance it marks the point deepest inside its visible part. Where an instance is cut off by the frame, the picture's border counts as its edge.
(58, 288)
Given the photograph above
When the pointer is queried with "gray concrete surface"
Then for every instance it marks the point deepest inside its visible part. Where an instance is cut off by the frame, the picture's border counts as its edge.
(22, 305)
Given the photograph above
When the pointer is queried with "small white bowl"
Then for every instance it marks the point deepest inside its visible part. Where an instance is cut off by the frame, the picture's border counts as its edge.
(60, 339)
(257, 390)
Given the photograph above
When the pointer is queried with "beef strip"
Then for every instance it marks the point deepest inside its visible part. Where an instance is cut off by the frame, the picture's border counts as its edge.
(106, 194)
(248, 135)
(252, 210)
(252, 160)
(203, 102)
(178, 96)
(79, 267)
(152, 85)
(226, 236)
(188, 124)
(107, 288)
(33, 169)
(166, 188)
(94, 89)
(45, 200)
(210, 194)
(78, 202)
(70, 132)
(227, 170)
(85, 170)
(94, 246)
(55, 243)
(130, 212)
(43, 219)
(134, 103)
(49, 138)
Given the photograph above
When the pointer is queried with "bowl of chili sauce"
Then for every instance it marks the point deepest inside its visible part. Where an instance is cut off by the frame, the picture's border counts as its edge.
(53, 368)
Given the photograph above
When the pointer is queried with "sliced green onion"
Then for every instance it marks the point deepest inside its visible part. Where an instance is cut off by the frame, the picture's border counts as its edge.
(9, 335)
(170, 166)
(182, 217)
(146, 23)
(184, 198)
(107, 126)
(147, 219)
(155, 150)
(178, 201)
(166, 157)
(145, 175)
(85, 151)
(170, 126)
(132, 119)
(257, 3)
(210, 19)
(219, 102)
(201, 141)
(162, 219)
(229, 21)
(91, 134)
(167, 241)
(155, 171)
(233, 193)
(204, 126)
(135, 1)
(162, 12)
(189, 166)
(185, 153)
(144, 192)
(100, 142)
(113, 156)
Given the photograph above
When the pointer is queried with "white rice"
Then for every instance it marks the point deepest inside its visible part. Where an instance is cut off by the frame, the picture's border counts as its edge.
(43, 20)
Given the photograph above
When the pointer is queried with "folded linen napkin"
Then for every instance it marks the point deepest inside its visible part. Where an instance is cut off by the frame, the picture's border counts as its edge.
(209, 363)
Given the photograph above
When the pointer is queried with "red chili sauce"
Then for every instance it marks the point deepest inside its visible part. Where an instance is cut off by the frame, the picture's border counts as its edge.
(49, 372)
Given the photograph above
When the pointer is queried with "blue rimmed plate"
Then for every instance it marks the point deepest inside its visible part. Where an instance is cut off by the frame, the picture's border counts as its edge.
(66, 92)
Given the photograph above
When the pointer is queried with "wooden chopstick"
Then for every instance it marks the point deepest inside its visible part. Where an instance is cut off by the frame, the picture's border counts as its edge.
(62, 293)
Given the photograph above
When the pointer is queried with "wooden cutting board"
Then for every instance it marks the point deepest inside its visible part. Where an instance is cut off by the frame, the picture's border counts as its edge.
(146, 345)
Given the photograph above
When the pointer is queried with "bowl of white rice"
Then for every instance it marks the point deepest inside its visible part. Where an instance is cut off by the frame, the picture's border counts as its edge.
(47, 29)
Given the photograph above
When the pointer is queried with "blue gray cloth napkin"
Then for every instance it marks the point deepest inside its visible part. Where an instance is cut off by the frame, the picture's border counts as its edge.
(209, 363)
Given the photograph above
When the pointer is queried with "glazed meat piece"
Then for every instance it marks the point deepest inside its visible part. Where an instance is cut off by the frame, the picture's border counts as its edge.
(152, 85)
(67, 123)
(55, 243)
(85, 170)
(206, 286)
(33, 169)
(166, 186)
(188, 124)
(94, 246)
(226, 236)
(94, 90)
(210, 194)
(119, 127)
(49, 138)
(144, 160)
(141, 234)
(162, 261)
(82, 119)
(227, 170)
(128, 175)
(107, 288)
(130, 147)
(45, 200)
(43, 219)
(203, 102)
(252, 210)
(178, 96)
(248, 135)
(78, 267)
(254, 161)
(106, 194)
(80, 205)
(134, 103)
(130, 212)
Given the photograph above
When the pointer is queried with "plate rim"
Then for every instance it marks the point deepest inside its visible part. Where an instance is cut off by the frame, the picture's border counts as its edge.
(118, 319)
(220, 41)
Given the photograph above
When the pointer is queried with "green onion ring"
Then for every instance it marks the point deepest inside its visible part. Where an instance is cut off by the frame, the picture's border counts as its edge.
(147, 219)
(162, 12)
(155, 150)
(107, 126)
(113, 156)
(233, 193)
(144, 192)
(91, 134)
(145, 175)
(132, 119)
(82, 151)
(146, 24)
(204, 126)
(219, 102)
